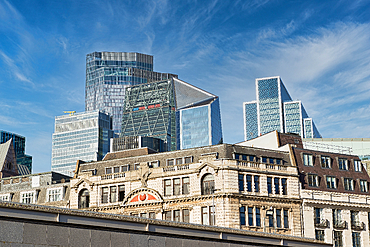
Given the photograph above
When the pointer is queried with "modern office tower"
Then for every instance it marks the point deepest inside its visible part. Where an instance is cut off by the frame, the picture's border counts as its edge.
(180, 114)
(107, 76)
(82, 136)
(274, 109)
(132, 142)
(19, 145)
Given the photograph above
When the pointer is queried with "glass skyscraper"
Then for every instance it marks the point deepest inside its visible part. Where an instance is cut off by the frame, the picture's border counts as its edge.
(82, 136)
(274, 109)
(180, 114)
(107, 76)
(19, 144)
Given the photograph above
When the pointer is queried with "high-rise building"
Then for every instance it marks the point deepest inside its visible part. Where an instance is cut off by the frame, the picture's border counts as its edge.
(19, 145)
(274, 109)
(107, 76)
(82, 136)
(180, 114)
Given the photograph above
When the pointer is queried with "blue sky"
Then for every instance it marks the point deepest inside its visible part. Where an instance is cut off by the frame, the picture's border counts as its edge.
(321, 50)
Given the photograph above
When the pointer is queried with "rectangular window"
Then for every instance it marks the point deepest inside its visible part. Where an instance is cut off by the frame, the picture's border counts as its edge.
(264, 160)
(244, 157)
(313, 180)
(125, 168)
(331, 182)
(258, 217)
(170, 162)
(5, 198)
(108, 170)
(105, 193)
(121, 193)
(356, 239)
(286, 218)
(176, 186)
(188, 160)
(250, 216)
(185, 185)
(249, 183)
(242, 215)
(185, 215)
(348, 184)
(205, 214)
(154, 164)
(236, 156)
(337, 217)
(278, 161)
(307, 159)
(136, 166)
(167, 215)
(269, 185)
(343, 164)
(277, 186)
(116, 169)
(144, 215)
(241, 182)
(278, 218)
(325, 162)
(357, 165)
(251, 158)
(271, 219)
(54, 195)
(178, 161)
(176, 215)
(338, 239)
(271, 161)
(256, 183)
(354, 218)
(113, 194)
(318, 215)
(363, 186)
(320, 235)
(212, 216)
(284, 186)
(152, 215)
(167, 187)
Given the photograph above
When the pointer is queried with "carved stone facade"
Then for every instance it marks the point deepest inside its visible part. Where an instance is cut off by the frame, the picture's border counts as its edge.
(224, 185)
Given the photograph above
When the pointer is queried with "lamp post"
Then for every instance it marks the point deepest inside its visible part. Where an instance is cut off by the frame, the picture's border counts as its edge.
(269, 213)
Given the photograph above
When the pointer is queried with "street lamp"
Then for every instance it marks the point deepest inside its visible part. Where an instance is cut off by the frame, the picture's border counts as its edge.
(269, 215)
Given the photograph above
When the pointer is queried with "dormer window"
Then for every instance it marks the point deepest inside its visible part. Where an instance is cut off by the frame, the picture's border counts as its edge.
(343, 164)
(325, 162)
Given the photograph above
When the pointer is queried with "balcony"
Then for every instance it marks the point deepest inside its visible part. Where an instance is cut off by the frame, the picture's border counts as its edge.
(176, 168)
(359, 226)
(340, 224)
(113, 176)
(322, 223)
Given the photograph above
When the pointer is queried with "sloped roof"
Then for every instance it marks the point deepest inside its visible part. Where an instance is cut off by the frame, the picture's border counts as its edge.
(23, 170)
(4, 149)
(188, 95)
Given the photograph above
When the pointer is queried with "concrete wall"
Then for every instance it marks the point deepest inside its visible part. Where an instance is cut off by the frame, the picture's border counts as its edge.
(30, 226)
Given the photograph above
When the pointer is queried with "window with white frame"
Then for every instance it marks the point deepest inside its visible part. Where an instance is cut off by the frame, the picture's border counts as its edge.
(154, 164)
(188, 159)
(331, 182)
(125, 168)
(325, 162)
(357, 165)
(28, 197)
(363, 186)
(313, 180)
(343, 164)
(307, 159)
(348, 184)
(170, 162)
(5, 198)
(55, 194)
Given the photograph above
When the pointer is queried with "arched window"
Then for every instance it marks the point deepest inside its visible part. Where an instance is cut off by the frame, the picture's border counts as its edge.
(83, 199)
(208, 184)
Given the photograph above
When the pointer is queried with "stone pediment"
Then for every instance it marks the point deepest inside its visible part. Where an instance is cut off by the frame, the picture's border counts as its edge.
(142, 195)
(81, 181)
(201, 167)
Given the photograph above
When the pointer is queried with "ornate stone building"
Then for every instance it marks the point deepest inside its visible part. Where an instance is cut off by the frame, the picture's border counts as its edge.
(224, 185)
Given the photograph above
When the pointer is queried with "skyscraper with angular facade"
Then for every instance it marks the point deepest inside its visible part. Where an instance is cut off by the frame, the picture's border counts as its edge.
(19, 145)
(274, 109)
(107, 76)
(180, 114)
(82, 136)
